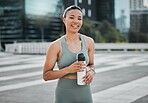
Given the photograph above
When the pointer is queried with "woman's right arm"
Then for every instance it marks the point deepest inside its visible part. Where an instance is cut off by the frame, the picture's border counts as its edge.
(51, 58)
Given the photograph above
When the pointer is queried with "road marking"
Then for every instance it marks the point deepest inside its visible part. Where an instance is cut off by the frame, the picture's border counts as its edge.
(14, 57)
(21, 60)
(20, 67)
(24, 84)
(124, 93)
(142, 64)
(38, 82)
(128, 61)
(99, 70)
(105, 59)
(21, 76)
(104, 69)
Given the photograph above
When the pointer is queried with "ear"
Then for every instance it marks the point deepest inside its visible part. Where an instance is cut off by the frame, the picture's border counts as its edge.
(63, 19)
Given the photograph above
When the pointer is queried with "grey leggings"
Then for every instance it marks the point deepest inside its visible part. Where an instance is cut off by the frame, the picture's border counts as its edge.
(67, 91)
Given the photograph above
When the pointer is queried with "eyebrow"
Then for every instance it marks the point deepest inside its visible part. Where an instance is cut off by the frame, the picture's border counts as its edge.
(74, 15)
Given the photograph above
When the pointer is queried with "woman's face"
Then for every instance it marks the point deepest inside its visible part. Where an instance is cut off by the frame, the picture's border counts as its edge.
(73, 20)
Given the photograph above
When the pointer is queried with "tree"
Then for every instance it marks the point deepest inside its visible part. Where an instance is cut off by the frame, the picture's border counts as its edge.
(102, 32)
(91, 30)
(110, 33)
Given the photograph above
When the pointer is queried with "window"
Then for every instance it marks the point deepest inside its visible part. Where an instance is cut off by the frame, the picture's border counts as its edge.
(83, 10)
(80, 1)
(89, 2)
(89, 13)
(1, 11)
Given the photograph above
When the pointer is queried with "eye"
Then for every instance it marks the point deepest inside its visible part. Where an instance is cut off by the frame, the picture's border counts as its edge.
(79, 18)
(71, 17)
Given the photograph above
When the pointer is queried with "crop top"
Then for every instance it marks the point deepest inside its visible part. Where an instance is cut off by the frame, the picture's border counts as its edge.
(69, 57)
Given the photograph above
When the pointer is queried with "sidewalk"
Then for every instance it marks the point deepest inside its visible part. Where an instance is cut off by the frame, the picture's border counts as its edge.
(126, 93)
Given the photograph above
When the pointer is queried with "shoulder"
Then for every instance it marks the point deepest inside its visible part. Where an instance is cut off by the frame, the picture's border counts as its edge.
(89, 43)
(55, 45)
(88, 40)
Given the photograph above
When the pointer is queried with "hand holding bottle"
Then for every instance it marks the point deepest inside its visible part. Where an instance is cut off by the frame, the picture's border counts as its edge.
(81, 74)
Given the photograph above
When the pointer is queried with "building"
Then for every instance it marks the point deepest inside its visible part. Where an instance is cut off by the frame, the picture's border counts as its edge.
(18, 26)
(11, 21)
(139, 21)
(88, 7)
(136, 5)
(47, 27)
(42, 28)
(138, 16)
(105, 10)
(96, 10)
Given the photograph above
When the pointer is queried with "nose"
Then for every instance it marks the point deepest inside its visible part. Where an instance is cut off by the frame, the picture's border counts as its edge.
(75, 20)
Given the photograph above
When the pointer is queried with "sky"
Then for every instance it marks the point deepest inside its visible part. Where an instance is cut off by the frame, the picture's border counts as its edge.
(120, 5)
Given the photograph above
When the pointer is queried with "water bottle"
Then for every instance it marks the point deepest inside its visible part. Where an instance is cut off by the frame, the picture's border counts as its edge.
(80, 75)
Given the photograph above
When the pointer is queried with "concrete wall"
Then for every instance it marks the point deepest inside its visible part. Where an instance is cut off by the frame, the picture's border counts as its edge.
(41, 48)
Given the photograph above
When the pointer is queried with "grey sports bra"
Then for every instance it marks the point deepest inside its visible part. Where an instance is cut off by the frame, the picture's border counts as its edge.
(69, 57)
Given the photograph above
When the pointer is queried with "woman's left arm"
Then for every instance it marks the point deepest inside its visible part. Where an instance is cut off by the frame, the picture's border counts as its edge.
(90, 68)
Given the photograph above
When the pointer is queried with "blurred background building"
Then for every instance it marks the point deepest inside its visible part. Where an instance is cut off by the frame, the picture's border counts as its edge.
(96, 10)
(136, 4)
(138, 16)
(19, 24)
(12, 15)
(43, 22)
(40, 21)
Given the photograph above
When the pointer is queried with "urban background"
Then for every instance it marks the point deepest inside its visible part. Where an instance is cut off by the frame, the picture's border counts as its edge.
(106, 21)
(118, 27)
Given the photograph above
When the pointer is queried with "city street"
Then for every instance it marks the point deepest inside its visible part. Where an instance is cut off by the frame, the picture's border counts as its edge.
(121, 77)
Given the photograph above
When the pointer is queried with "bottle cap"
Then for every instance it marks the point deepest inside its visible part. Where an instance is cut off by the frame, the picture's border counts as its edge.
(80, 57)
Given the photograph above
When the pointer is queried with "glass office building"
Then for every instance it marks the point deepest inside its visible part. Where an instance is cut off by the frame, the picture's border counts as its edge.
(138, 16)
(105, 10)
(11, 20)
(30, 20)
(96, 10)
(43, 22)
(40, 20)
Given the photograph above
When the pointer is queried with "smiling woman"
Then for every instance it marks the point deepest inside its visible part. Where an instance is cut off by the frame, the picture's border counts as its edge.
(63, 52)
(39, 7)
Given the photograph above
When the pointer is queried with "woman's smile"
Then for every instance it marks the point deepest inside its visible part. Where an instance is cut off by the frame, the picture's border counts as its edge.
(75, 26)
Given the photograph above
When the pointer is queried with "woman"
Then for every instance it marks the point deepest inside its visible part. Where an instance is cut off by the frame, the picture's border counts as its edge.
(63, 51)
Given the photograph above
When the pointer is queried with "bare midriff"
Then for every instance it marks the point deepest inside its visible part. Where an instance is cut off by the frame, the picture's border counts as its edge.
(70, 77)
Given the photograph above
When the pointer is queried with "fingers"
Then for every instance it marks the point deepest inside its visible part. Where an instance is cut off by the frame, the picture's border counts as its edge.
(88, 78)
(79, 64)
(76, 67)
(76, 64)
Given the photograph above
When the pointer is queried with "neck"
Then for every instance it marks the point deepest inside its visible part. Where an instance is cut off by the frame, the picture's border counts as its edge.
(72, 37)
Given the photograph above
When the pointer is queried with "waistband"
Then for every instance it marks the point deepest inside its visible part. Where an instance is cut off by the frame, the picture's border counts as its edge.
(69, 84)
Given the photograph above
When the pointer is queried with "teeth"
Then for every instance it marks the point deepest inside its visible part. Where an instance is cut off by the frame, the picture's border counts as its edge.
(75, 26)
